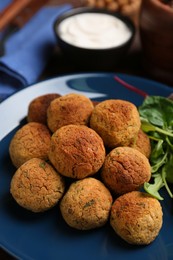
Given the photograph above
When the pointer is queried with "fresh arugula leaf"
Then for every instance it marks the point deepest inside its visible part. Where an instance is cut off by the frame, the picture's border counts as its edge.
(169, 141)
(157, 150)
(164, 177)
(157, 122)
(158, 110)
(148, 127)
(156, 164)
(153, 189)
(168, 169)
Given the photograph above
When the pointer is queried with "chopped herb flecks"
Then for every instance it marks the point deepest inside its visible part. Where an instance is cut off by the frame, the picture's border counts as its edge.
(89, 203)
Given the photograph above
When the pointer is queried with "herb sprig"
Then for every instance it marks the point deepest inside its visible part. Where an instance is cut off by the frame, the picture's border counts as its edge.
(157, 121)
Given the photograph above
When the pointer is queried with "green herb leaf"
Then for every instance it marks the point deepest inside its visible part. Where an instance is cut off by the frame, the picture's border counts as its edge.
(156, 164)
(157, 150)
(42, 165)
(153, 189)
(157, 110)
(164, 176)
(148, 127)
(89, 203)
(168, 169)
(157, 121)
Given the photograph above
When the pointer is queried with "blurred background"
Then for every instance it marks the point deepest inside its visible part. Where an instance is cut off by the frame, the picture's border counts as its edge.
(131, 63)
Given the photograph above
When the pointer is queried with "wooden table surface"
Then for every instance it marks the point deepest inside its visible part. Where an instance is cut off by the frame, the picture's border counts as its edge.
(131, 64)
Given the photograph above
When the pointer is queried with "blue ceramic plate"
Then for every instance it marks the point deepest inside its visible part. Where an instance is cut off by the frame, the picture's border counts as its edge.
(42, 236)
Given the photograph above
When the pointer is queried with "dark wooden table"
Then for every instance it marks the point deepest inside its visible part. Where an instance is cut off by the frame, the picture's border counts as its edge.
(58, 65)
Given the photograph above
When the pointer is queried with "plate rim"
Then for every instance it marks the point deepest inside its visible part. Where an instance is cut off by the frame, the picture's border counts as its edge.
(19, 93)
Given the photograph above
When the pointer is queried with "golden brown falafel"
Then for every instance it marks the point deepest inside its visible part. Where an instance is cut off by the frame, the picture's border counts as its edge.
(37, 109)
(116, 121)
(76, 151)
(36, 186)
(31, 140)
(125, 169)
(69, 109)
(143, 143)
(136, 217)
(86, 204)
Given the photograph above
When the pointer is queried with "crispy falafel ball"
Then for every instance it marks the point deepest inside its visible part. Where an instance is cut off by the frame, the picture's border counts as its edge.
(31, 140)
(136, 217)
(125, 169)
(37, 109)
(69, 109)
(36, 186)
(143, 143)
(86, 205)
(76, 151)
(116, 121)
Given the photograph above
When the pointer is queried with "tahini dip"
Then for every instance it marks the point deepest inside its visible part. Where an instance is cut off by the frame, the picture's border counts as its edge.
(94, 31)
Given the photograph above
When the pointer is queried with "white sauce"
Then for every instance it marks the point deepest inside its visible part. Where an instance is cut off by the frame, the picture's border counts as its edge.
(94, 31)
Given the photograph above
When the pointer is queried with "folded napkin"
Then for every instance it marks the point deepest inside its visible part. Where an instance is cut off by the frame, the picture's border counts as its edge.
(28, 51)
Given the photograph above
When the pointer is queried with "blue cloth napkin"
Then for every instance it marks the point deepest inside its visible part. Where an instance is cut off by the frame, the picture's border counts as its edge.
(28, 51)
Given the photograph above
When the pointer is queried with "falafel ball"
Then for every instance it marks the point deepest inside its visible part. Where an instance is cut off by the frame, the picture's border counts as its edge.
(125, 169)
(76, 151)
(37, 109)
(31, 140)
(86, 204)
(69, 109)
(116, 121)
(36, 185)
(143, 143)
(136, 217)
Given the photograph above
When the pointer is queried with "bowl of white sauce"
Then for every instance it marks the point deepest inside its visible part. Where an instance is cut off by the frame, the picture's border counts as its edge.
(94, 38)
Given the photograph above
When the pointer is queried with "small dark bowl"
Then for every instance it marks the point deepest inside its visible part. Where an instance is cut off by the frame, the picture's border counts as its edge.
(92, 58)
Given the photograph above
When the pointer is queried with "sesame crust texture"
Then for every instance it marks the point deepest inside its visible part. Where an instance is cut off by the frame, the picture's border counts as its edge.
(36, 186)
(30, 141)
(125, 169)
(69, 109)
(86, 205)
(76, 151)
(116, 121)
(136, 217)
